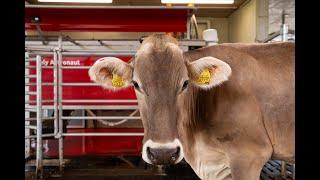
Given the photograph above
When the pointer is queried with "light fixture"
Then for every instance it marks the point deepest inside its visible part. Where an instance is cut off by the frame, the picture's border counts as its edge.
(197, 1)
(77, 1)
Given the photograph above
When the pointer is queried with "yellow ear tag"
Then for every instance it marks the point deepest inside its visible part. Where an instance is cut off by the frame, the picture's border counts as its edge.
(117, 81)
(204, 77)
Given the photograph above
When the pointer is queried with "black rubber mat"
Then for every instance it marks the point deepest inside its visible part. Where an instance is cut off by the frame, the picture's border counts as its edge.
(133, 168)
(272, 170)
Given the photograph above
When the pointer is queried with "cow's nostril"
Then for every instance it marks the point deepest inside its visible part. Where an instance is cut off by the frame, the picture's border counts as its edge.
(176, 154)
(173, 158)
(151, 155)
(154, 155)
(178, 150)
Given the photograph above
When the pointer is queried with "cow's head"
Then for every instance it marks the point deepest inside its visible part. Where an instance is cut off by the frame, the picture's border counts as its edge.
(161, 76)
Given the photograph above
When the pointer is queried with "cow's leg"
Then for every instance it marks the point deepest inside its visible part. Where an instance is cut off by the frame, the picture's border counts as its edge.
(247, 167)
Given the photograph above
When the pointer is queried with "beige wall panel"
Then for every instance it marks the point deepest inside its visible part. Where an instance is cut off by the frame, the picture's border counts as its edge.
(220, 24)
(242, 23)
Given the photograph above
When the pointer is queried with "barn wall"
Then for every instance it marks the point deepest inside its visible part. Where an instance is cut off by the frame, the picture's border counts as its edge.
(220, 24)
(262, 20)
(222, 27)
(242, 23)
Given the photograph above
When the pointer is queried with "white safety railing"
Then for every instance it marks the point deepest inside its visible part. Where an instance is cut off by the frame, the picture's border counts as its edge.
(58, 107)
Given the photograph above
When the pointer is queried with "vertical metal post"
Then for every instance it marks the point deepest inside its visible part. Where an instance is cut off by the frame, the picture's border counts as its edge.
(60, 103)
(284, 29)
(27, 113)
(194, 22)
(284, 32)
(39, 164)
(55, 92)
(188, 29)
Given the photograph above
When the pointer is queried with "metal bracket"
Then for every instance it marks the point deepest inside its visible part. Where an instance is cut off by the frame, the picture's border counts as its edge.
(68, 38)
(36, 21)
(104, 44)
(59, 135)
(56, 49)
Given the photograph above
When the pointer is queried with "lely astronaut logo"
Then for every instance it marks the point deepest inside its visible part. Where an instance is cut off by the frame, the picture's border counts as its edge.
(49, 62)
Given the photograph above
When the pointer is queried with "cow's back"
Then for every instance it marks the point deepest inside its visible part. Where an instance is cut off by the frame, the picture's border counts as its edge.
(267, 72)
(277, 93)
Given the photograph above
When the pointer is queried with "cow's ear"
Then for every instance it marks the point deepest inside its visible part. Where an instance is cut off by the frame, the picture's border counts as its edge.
(208, 72)
(111, 73)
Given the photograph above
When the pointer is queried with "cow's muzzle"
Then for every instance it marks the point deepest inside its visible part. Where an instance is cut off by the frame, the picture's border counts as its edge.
(160, 156)
(162, 153)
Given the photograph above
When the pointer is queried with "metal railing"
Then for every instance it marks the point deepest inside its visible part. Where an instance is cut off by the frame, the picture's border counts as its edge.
(59, 105)
(38, 109)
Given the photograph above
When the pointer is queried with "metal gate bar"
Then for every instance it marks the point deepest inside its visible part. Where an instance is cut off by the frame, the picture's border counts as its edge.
(39, 169)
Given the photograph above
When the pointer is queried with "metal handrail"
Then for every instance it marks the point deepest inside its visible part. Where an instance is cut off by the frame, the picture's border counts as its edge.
(111, 7)
(83, 107)
(103, 134)
(43, 118)
(101, 100)
(46, 53)
(99, 117)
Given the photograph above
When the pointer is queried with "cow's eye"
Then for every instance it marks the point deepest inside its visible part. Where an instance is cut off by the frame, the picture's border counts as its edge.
(185, 84)
(136, 85)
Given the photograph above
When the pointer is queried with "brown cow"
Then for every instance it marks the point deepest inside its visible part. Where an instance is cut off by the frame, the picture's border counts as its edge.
(226, 109)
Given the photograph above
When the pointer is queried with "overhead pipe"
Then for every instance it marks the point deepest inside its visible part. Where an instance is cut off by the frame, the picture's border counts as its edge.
(112, 7)
(107, 7)
(129, 7)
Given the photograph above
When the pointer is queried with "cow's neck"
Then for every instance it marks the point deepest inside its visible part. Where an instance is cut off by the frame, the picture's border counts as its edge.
(194, 117)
